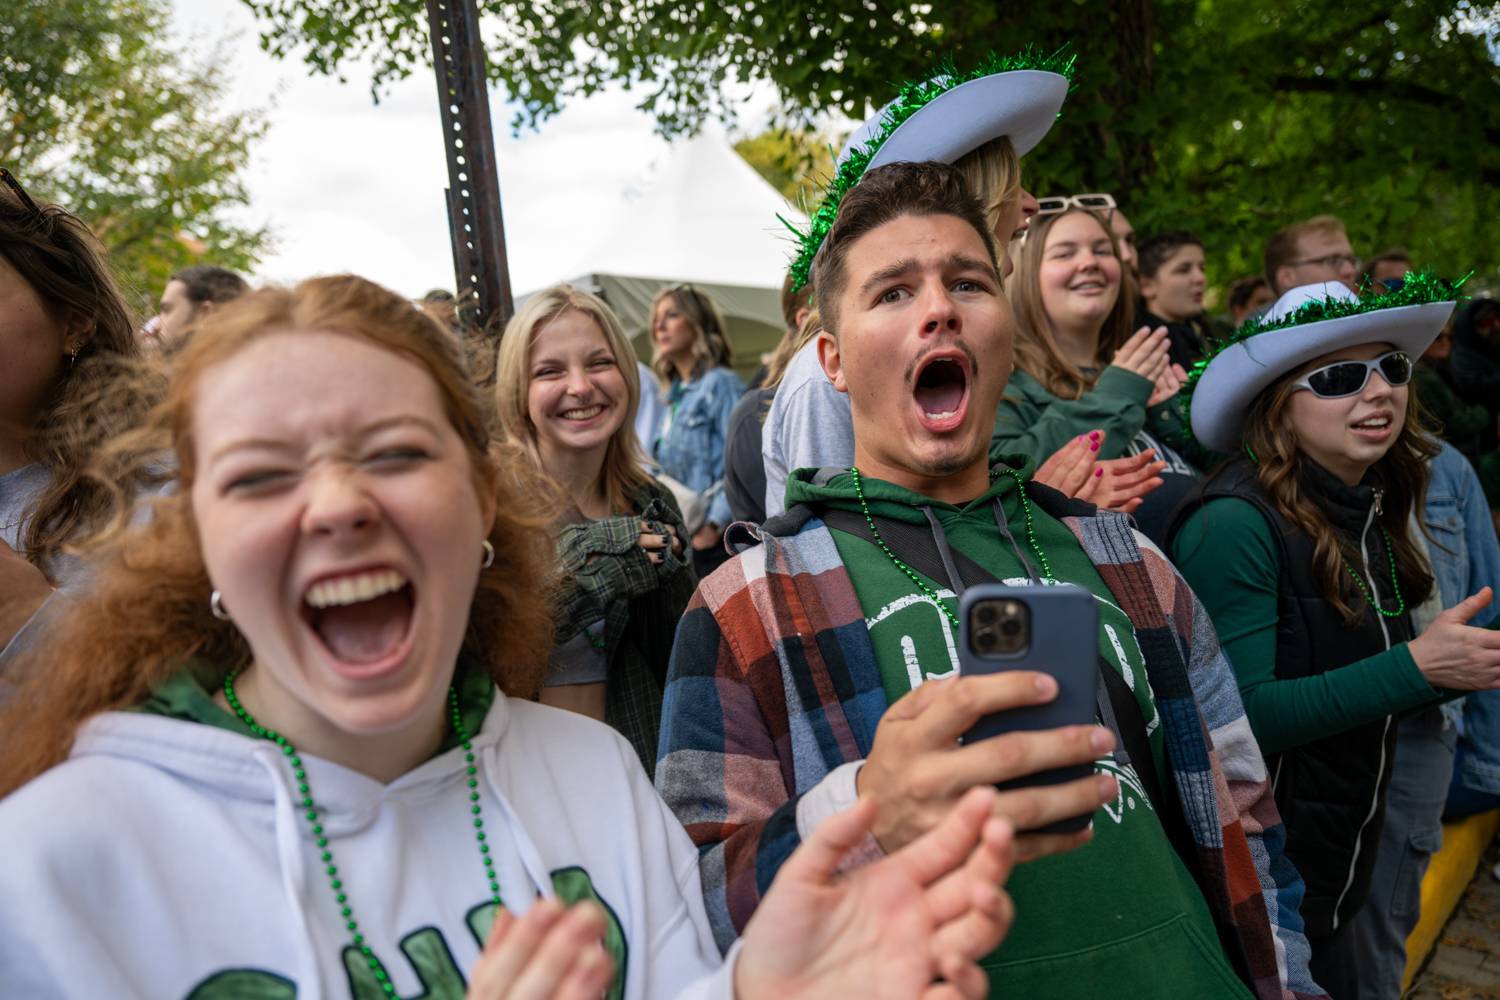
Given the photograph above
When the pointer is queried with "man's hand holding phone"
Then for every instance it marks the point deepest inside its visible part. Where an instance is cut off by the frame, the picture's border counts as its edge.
(917, 769)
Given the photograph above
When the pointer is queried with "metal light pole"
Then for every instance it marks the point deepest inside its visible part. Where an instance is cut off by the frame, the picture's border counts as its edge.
(474, 223)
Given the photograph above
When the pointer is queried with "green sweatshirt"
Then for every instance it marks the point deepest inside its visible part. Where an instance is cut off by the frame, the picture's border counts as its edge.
(1226, 551)
(189, 696)
(1119, 915)
(1033, 421)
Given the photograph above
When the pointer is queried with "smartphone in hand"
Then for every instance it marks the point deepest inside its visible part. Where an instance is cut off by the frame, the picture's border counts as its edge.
(1052, 630)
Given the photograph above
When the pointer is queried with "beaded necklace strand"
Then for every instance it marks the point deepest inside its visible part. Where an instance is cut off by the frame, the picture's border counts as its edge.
(859, 491)
(312, 812)
(1390, 555)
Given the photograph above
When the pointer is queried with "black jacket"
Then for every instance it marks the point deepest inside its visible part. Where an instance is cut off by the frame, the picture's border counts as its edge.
(1331, 792)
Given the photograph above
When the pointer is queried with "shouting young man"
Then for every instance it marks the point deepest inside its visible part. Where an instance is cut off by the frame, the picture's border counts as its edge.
(820, 665)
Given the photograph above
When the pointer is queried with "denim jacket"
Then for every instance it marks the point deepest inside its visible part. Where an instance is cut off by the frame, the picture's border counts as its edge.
(1465, 556)
(689, 442)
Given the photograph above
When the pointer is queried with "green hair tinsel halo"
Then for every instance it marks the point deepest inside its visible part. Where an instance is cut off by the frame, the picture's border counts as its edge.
(1419, 289)
(911, 98)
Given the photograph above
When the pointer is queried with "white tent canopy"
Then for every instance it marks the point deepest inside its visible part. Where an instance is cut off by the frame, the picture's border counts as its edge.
(708, 219)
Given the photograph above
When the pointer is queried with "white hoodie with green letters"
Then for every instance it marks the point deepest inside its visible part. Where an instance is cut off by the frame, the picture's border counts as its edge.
(171, 859)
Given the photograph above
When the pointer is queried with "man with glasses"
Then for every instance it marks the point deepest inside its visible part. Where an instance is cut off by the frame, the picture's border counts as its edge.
(1309, 253)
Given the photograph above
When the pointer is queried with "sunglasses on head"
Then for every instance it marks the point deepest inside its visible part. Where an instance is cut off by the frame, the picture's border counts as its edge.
(1345, 378)
(9, 179)
(1061, 203)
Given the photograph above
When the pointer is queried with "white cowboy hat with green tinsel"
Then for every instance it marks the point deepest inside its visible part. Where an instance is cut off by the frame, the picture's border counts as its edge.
(941, 119)
(1307, 323)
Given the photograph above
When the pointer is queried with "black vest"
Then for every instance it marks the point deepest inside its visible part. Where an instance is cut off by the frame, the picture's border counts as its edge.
(1331, 792)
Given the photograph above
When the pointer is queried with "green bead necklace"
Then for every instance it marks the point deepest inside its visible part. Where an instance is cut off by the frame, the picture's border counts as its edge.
(859, 491)
(312, 812)
(1390, 556)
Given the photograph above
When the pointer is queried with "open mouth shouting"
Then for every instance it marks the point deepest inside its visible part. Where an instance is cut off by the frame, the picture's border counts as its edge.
(362, 619)
(941, 390)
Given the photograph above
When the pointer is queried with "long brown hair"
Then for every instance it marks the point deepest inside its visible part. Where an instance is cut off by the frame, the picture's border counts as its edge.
(1037, 353)
(624, 473)
(64, 264)
(146, 612)
(1282, 468)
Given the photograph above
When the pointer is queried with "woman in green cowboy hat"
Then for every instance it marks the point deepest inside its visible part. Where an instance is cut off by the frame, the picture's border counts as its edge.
(1301, 551)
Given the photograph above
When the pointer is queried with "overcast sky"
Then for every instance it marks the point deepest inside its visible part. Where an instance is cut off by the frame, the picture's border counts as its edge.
(348, 185)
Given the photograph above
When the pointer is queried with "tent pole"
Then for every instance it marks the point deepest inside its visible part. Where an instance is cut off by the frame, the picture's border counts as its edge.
(473, 195)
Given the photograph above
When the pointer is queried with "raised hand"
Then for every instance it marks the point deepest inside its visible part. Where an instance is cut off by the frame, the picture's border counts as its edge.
(1122, 483)
(1454, 654)
(917, 770)
(892, 929)
(549, 953)
(1145, 353)
(1168, 383)
(1069, 468)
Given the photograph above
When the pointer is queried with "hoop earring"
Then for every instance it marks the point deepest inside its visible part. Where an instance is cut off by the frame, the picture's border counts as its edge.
(489, 555)
(216, 605)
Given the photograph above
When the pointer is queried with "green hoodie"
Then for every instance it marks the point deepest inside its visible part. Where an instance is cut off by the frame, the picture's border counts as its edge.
(188, 696)
(1121, 914)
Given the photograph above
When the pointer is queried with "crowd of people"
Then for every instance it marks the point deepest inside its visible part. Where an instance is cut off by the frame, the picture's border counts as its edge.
(645, 681)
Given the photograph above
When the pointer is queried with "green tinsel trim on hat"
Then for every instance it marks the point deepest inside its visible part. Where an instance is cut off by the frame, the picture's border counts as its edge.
(1420, 288)
(912, 97)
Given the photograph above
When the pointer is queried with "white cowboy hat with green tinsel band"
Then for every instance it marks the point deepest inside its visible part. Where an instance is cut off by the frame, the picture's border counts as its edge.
(1307, 323)
(941, 119)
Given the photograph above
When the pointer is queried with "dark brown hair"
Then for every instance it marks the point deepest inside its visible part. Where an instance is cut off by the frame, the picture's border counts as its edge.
(146, 612)
(1155, 250)
(1281, 468)
(882, 195)
(64, 264)
(209, 283)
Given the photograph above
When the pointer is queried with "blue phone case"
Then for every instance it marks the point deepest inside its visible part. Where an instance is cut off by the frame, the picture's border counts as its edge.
(1064, 644)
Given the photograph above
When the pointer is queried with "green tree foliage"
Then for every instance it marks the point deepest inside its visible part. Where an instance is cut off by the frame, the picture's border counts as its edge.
(101, 113)
(1231, 119)
(793, 162)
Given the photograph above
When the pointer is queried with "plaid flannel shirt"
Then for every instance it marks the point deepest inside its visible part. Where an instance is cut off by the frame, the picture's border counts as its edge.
(773, 684)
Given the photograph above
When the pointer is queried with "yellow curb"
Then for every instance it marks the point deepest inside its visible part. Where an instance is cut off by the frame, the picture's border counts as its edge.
(1449, 874)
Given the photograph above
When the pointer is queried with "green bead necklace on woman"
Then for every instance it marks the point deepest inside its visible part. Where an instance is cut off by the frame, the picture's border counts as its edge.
(320, 836)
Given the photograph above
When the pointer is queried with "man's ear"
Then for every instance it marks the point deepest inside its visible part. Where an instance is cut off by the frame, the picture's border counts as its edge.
(831, 360)
(1146, 286)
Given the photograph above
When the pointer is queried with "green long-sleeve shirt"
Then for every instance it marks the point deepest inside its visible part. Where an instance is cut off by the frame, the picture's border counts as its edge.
(1227, 552)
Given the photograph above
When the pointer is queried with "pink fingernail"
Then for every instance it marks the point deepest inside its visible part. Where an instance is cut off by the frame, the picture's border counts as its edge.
(1093, 446)
(1093, 435)
(1098, 473)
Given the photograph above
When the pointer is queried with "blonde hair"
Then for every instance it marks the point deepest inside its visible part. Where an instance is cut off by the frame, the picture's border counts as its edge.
(711, 346)
(146, 613)
(790, 346)
(992, 173)
(1037, 353)
(623, 473)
